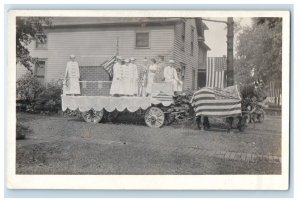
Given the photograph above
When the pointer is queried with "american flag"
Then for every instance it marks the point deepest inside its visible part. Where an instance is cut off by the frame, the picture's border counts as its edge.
(108, 65)
(217, 102)
(274, 92)
(215, 76)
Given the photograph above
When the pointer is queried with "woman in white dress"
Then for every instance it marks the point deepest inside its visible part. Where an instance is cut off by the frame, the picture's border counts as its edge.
(117, 75)
(170, 75)
(126, 79)
(72, 75)
(134, 77)
(151, 73)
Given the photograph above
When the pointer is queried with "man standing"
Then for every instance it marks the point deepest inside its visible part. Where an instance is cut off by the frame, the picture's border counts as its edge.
(170, 75)
(159, 75)
(72, 75)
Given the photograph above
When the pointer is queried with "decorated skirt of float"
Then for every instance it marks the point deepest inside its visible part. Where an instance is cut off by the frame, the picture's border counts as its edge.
(98, 103)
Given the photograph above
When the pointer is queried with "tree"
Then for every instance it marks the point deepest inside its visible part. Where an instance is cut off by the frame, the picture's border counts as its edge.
(259, 51)
(27, 30)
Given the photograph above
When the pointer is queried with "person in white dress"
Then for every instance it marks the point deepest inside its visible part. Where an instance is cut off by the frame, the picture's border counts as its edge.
(117, 76)
(142, 78)
(170, 75)
(126, 79)
(134, 77)
(71, 79)
(151, 73)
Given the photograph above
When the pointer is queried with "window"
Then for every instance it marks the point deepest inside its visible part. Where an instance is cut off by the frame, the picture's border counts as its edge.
(182, 37)
(142, 40)
(202, 78)
(41, 41)
(39, 70)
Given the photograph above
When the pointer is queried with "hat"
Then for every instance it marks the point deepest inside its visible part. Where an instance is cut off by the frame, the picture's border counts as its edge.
(145, 60)
(126, 60)
(132, 59)
(72, 56)
(171, 61)
(119, 57)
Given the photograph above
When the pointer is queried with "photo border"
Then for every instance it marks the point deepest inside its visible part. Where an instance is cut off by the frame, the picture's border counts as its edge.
(183, 182)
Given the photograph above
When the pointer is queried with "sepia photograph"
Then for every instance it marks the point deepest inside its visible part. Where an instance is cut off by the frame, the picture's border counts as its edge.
(154, 96)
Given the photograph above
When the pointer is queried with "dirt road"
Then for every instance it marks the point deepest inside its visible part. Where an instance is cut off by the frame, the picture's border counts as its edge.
(61, 145)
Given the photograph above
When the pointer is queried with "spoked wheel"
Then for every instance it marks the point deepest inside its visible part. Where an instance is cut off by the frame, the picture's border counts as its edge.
(93, 116)
(154, 117)
(260, 117)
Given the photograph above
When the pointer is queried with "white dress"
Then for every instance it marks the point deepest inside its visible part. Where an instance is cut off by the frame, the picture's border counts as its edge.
(116, 81)
(125, 87)
(133, 79)
(170, 75)
(72, 76)
(150, 79)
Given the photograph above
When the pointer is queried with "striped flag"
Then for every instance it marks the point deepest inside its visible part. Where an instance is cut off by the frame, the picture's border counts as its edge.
(215, 76)
(217, 102)
(274, 92)
(108, 65)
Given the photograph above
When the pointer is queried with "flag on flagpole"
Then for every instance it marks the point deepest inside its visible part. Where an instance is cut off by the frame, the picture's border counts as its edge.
(108, 65)
(215, 76)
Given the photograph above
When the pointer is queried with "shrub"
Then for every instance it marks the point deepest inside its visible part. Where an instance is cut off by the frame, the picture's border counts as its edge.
(49, 100)
(32, 96)
(28, 89)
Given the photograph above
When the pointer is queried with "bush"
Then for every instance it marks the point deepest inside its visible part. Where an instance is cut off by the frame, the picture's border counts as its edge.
(28, 89)
(49, 100)
(32, 96)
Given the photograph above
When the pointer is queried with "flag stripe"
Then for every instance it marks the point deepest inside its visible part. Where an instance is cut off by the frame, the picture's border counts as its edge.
(108, 65)
(215, 76)
(221, 103)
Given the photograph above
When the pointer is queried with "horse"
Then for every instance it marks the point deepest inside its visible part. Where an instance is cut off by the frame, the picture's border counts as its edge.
(248, 93)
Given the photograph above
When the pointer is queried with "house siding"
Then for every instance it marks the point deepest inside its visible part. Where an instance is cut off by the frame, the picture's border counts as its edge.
(92, 46)
(191, 61)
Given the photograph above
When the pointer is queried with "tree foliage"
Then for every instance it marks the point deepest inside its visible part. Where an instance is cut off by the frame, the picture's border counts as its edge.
(27, 30)
(259, 51)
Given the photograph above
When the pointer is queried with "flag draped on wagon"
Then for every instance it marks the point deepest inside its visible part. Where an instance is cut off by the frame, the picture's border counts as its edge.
(217, 102)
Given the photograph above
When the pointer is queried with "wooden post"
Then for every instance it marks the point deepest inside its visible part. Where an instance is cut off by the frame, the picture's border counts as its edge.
(230, 35)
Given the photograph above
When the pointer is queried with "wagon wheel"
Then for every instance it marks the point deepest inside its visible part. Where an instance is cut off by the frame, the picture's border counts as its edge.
(154, 117)
(92, 116)
(169, 118)
(260, 117)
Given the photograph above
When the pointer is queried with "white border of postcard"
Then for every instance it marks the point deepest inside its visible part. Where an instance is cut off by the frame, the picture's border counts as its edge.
(146, 182)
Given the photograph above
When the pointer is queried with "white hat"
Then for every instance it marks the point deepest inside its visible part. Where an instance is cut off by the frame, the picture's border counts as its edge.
(171, 61)
(132, 59)
(126, 60)
(72, 56)
(119, 57)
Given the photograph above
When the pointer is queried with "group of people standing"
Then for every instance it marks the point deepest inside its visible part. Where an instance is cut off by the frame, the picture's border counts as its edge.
(128, 78)
(132, 80)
